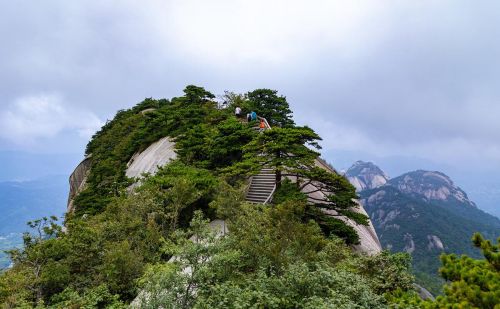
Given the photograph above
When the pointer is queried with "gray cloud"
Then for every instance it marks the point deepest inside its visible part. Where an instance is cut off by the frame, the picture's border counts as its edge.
(31, 118)
(388, 78)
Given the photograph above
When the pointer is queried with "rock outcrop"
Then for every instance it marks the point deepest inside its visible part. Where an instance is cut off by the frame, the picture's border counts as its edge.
(369, 242)
(431, 186)
(366, 175)
(77, 181)
(434, 243)
(148, 161)
(145, 162)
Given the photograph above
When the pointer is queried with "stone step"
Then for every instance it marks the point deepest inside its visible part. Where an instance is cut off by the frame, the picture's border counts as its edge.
(262, 186)
(262, 177)
(263, 172)
(265, 185)
(263, 180)
(257, 193)
(265, 175)
(268, 184)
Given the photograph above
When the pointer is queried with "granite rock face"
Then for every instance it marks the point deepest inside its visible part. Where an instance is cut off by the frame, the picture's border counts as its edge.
(366, 175)
(431, 186)
(77, 181)
(148, 161)
(434, 243)
(369, 242)
(145, 162)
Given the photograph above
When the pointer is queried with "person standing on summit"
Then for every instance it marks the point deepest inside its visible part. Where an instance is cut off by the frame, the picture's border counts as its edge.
(253, 116)
(237, 112)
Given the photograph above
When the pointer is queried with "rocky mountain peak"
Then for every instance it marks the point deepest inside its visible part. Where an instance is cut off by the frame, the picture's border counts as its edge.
(431, 186)
(366, 175)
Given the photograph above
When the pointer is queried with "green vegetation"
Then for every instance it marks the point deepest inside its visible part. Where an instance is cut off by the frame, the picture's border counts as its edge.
(154, 244)
(288, 151)
(215, 146)
(471, 283)
(131, 131)
(267, 104)
(271, 259)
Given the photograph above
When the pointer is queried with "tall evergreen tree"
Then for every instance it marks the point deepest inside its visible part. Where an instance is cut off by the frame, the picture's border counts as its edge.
(266, 103)
(283, 149)
(290, 152)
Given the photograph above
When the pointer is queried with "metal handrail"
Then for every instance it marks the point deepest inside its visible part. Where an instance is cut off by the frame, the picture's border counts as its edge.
(268, 127)
(270, 195)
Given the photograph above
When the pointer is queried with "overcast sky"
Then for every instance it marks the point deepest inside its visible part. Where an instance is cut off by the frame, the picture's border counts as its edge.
(418, 80)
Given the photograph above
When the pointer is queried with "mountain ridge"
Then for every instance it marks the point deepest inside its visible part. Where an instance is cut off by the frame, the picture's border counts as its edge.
(425, 214)
(431, 186)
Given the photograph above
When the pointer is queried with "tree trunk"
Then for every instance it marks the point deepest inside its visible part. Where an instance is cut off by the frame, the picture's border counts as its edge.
(278, 179)
(278, 172)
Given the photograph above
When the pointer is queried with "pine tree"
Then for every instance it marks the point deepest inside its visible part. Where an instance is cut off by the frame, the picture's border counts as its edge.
(266, 103)
(473, 283)
(290, 153)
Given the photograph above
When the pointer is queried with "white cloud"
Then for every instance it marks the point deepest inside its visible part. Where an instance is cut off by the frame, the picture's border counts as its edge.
(31, 118)
(387, 77)
(268, 32)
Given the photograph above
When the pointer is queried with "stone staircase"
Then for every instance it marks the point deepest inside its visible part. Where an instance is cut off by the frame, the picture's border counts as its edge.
(263, 184)
(262, 187)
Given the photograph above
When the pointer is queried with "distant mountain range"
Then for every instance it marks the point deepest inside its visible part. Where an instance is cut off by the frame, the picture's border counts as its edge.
(27, 166)
(28, 200)
(423, 213)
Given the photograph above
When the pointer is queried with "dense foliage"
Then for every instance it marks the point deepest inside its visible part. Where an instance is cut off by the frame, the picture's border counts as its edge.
(471, 283)
(289, 152)
(271, 259)
(269, 105)
(215, 146)
(153, 243)
(133, 130)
